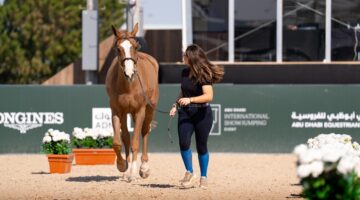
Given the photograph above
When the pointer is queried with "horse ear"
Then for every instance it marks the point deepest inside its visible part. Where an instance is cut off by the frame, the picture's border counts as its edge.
(115, 31)
(135, 30)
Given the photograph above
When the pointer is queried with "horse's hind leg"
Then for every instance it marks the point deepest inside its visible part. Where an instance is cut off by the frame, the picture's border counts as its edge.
(120, 162)
(144, 168)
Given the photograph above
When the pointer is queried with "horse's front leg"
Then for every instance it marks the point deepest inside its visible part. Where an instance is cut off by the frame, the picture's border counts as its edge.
(145, 168)
(125, 136)
(121, 164)
(139, 119)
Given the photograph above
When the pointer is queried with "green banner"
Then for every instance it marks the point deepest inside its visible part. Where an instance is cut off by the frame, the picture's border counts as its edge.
(247, 118)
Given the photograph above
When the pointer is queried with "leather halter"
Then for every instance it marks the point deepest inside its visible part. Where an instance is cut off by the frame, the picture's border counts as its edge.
(122, 61)
(125, 59)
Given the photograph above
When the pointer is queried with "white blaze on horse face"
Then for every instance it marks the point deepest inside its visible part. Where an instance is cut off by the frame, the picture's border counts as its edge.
(129, 64)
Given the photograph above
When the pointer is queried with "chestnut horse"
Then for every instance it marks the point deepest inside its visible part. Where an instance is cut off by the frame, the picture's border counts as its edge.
(132, 87)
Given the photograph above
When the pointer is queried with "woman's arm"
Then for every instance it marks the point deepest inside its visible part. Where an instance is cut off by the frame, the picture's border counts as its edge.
(172, 112)
(206, 97)
(179, 97)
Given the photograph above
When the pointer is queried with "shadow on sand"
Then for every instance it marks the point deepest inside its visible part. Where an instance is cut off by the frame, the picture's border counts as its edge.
(92, 178)
(157, 185)
(40, 173)
(295, 196)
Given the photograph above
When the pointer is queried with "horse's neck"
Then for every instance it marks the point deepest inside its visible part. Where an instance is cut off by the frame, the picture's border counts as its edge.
(125, 84)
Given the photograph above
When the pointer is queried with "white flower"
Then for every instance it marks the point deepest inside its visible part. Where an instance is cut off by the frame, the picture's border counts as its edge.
(304, 170)
(356, 146)
(66, 137)
(103, 133)
(331, 155)
(346, 138)
(90, 133)
(357, 168)
(310, 155)
(346, 164)
(55, 136)
(79, 133)
(299, 149)
(328, 148)
(93, 133)
(317, 168)
(46, 139)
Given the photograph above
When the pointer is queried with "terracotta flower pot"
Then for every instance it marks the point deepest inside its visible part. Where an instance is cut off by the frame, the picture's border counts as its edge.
(94, 156)
(60, 164)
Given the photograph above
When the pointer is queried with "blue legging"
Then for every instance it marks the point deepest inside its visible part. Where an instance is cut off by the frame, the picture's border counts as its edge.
(198, 120)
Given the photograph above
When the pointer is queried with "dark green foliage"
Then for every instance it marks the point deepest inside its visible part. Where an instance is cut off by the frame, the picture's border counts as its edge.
(60, 147)
(89, 142)
(39, 38)
(332, 185)
(105, 142)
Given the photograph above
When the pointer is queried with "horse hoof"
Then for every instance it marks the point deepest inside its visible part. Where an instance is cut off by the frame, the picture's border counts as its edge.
(131, 179)
(125, 176)
(122, 166)
(144, 174)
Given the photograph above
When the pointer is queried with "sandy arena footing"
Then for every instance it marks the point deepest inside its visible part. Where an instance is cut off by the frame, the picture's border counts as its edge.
(230, 176)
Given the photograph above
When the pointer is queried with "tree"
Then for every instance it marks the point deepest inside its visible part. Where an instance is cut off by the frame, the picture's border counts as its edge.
(39, 38)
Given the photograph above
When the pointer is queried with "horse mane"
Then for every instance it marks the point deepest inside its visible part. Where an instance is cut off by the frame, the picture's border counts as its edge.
(151, 59)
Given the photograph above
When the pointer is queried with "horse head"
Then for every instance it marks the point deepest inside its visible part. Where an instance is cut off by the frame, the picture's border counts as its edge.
(126, 47)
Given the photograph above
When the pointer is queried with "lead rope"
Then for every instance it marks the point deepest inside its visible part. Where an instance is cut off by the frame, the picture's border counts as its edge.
(152, 106)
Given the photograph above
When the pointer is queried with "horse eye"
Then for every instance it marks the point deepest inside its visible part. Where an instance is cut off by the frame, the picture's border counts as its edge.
(116, 49)
(138, 46)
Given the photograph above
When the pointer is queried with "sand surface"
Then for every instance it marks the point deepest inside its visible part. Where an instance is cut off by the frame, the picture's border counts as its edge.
(230, 176)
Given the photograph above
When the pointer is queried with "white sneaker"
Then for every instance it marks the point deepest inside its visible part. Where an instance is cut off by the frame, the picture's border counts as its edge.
(203, 182)
(187, 177)
(188, 180)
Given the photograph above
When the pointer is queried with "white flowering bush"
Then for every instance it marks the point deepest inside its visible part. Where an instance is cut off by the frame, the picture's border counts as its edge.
(56, 142)
(92, 138)
(329, 167)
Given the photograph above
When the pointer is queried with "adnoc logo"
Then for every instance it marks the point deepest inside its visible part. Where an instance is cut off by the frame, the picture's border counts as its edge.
(24, 121)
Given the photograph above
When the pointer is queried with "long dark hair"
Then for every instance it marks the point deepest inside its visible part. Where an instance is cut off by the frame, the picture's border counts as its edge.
(201, 69)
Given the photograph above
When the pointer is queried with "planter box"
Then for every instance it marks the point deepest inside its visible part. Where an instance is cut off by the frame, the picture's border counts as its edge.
(60, 164)
(94, 156)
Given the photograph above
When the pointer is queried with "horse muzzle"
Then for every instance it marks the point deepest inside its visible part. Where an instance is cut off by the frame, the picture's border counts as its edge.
(130, 77)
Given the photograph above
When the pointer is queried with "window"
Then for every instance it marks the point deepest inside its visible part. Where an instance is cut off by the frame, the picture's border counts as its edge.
(210, 27)
(346, 15)
(255, 30)
(304, 30)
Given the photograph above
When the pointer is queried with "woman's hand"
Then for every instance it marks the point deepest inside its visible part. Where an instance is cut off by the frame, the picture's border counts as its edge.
(184, 101)
(172, 112)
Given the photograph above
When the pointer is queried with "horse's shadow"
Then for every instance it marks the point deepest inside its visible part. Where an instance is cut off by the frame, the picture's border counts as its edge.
(40, 173)
(157, 185)
(85, 179)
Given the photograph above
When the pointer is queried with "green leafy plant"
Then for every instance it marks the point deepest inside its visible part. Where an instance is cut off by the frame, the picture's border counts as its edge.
(332, 185)
(92, 138)
(56, 142)
(329, 167)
